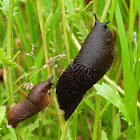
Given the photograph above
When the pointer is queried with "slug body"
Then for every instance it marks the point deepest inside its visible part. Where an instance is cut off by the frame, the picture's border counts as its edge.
(91, 63)
(37, 100)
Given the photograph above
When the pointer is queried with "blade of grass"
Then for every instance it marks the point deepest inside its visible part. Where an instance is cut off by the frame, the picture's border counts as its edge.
(9, 54)
(47, 58)
(39, 61)
(106, 8)
(94, 9)
(59, 46)
(65, 30)
(53, 23)
(111, 15)
(127, 78)
(137, 87)
(30, 17)
(116, 127)
(126, 60)
(9, 48)
(22, 35)
(75, 122)
(137, 79)
(130, 37)
(97, 116)
(65, 130)
(40, 16)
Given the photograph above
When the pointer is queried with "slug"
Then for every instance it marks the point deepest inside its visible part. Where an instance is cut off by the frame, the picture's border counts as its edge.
(91, 63)
(37, 100)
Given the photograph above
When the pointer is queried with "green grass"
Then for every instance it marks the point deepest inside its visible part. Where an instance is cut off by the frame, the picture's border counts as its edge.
(32, 32)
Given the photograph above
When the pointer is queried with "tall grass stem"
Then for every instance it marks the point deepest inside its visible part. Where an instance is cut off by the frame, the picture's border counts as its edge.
(65, 130)
(97, 116)
(105, 10)
(43, 33)
(9, 49)
(39, 9)
(130, 37)
(9, 54)
(65, 30)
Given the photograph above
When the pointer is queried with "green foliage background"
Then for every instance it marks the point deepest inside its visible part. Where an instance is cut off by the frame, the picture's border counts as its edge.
(109, 110)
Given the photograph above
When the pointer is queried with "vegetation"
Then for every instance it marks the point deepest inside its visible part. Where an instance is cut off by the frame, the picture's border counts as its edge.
(40, 38)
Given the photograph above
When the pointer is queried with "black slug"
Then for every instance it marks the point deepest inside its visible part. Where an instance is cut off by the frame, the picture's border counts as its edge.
(37, 100)
(91, 63)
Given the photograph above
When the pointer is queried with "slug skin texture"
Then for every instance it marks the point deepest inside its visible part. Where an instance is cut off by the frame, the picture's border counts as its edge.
(91, 63)
(37, 100)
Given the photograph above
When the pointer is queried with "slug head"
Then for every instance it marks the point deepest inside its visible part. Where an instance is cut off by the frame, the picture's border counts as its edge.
(97, 21)
(37, 100)
(38, 93)
(102, 30)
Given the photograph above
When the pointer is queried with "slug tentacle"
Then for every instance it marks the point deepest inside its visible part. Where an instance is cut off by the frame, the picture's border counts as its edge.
(95, 17)
(91, 63)
(107, 22)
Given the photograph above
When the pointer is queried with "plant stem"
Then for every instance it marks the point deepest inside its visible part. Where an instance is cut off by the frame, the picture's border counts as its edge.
(94, 9)
(111, 15)
(129, 132)
(105, 10)
(43, 35)
(57, 110)
(40, 130)
(65, 130)
(47, 58)
(97, 115)
(9, 49)
(40, 115)
(65, 30)
(17, 133)
(117, 87)
(130, 37)
(9, 54)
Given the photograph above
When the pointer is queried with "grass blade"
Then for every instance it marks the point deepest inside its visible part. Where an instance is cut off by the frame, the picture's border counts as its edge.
(126, 61)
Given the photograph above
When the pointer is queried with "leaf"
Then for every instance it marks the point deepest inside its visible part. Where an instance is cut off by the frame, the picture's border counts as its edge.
(5, 60)
(104, 135)
(70, 7)
(68, 135)
(54, 21)
(11, 134)
(79, 25)
(2, 113)
(112, 96)
(5, 7)
(127, 76)
(26, 129)
(89, 104)
(77, 19)
(137, 6)
(81, 31)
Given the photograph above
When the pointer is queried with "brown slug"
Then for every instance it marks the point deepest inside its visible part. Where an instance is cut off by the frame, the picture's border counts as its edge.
(91, 63)
(37, 100)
